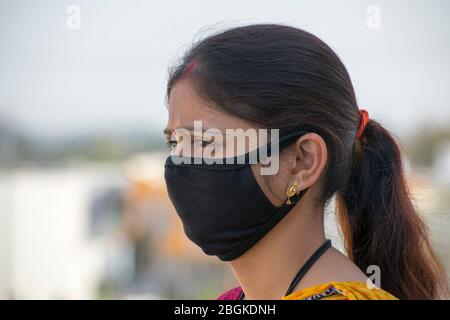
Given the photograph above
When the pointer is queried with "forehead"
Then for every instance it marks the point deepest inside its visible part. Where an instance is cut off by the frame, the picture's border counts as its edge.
(186, 106)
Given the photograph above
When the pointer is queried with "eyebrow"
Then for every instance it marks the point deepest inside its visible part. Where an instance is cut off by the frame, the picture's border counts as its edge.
(168, 131)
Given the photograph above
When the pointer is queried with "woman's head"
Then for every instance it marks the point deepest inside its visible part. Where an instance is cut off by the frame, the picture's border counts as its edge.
(279, 77)
(274, 76)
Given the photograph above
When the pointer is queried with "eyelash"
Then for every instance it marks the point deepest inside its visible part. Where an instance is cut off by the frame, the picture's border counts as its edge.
(171, 144)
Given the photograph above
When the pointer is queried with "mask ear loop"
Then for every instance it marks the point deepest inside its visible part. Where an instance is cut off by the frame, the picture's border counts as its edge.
(293, 196)
(282, 143)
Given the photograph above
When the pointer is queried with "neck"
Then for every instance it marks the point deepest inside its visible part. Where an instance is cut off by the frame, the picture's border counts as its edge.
(267, 269)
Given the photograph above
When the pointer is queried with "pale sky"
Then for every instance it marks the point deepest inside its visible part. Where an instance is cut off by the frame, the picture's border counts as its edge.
(110, 75)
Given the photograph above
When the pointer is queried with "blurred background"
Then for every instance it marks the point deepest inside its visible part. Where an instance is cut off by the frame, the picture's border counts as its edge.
(83, 207)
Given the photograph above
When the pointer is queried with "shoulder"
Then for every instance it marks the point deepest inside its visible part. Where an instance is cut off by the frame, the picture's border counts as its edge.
(341, 291)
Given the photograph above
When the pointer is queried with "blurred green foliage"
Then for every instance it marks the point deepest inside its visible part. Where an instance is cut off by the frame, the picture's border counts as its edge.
(424, 144)
(17, 148)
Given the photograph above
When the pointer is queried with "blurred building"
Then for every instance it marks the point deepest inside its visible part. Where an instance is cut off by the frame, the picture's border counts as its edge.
(441, 167)
(98, 231)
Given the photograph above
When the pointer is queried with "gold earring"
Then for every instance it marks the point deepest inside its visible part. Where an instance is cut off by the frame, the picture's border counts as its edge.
(291, 191)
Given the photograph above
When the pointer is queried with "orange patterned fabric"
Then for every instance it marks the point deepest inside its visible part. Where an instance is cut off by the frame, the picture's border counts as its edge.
(340, 291)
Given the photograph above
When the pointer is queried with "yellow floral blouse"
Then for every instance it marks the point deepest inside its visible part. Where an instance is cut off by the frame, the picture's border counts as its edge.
(328, 291)
(340, 291)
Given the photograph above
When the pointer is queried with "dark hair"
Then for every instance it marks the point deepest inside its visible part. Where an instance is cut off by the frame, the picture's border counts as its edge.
(278, 76)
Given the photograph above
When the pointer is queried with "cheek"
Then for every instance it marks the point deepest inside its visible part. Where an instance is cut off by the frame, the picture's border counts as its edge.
(273, 186)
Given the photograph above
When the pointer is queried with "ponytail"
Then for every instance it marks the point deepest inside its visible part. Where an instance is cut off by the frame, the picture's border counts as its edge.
(380, 223)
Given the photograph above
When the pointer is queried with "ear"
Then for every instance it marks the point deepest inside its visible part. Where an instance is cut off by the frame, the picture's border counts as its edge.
(310, 152)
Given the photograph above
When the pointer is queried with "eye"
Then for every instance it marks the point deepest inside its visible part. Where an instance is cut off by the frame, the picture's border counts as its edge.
(171, 144)
(201, 143)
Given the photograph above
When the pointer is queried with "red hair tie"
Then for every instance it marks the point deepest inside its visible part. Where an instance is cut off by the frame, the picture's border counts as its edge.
(364, 115)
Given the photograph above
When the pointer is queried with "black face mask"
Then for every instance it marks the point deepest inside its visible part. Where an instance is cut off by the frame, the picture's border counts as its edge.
(222, 207)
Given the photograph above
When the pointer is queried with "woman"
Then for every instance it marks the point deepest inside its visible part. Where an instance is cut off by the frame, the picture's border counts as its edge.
(270, 227)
